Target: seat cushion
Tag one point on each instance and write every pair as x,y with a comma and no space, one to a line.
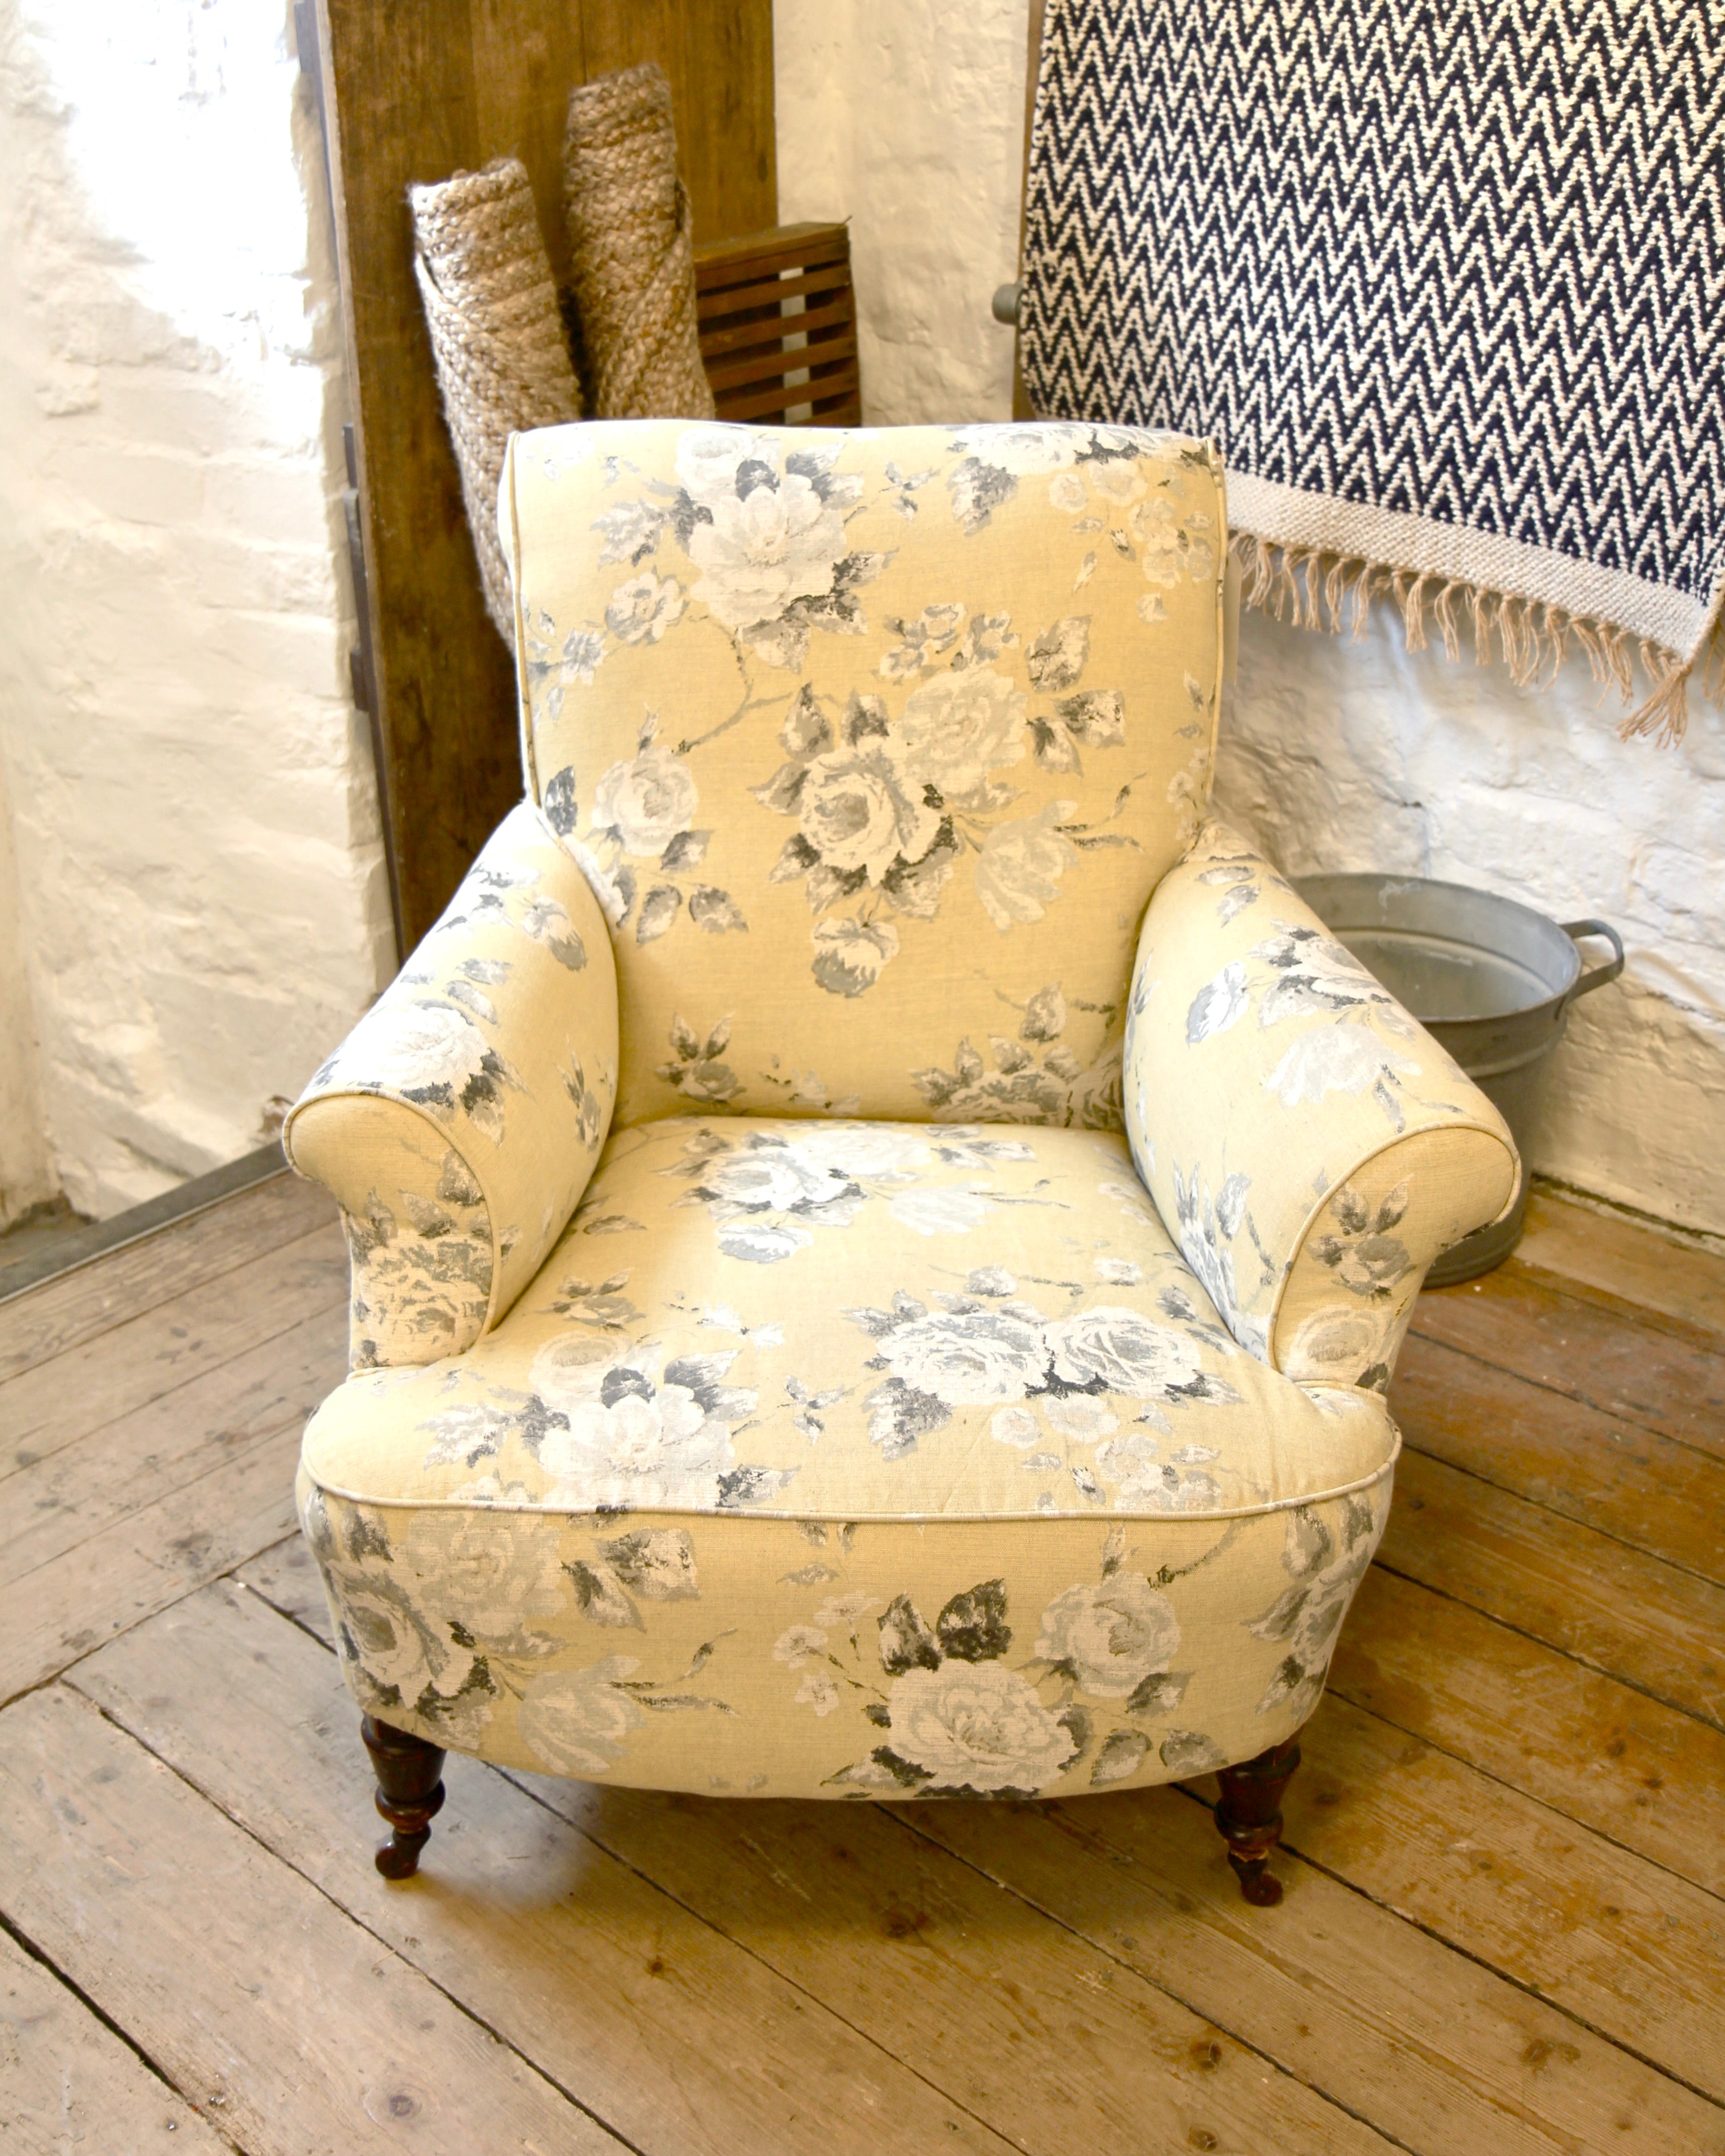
865,735
821,1431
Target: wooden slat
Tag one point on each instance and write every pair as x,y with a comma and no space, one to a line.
414,94
1612,1607
51,1510
730,261
291,2026
676,2037
1520,1321
149,1358
1605,1251
785,360
748,335
67,2082
1662,1497
763,404
1616,1941
743,326
1630,1767
1445,2056
81,1306
758,299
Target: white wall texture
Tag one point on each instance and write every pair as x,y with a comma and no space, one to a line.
198,873
906,117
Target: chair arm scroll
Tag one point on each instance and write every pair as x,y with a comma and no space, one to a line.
460,1121
1310,1146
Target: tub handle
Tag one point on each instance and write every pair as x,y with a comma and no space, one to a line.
1600,974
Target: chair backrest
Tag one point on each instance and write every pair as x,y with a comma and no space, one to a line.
874,745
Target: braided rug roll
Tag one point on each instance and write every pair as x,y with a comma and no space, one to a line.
502,360
632,239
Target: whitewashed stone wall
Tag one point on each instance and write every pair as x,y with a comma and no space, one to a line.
198,872
907,116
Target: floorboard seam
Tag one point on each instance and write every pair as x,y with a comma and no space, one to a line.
1615,1412
1199,2013
1539,1504
1492,1968
25,1945
9,1584
359,1923
1692,1331
1552,1646
196,1587
658,1887
253,1341
1529,1796
146,1310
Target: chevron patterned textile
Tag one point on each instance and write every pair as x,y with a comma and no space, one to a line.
1446,283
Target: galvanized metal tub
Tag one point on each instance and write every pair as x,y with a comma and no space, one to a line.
1491,980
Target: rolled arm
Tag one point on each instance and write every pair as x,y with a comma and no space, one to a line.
1311,1147
459,1123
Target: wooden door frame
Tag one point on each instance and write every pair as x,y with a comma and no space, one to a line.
412,90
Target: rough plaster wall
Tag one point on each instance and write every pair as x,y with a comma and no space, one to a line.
202,902
907,117
1349,755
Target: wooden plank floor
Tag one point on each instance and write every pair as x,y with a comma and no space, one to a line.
1504,1930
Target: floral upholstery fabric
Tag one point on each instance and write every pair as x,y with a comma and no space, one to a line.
853,1320
495,1046
907,1458
1313,1148
871,744
965,1453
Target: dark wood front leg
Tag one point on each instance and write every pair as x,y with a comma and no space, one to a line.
410,1793
1248,1818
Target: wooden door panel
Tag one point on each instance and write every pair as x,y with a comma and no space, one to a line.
416,92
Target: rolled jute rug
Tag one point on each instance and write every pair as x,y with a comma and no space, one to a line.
632,238
503,363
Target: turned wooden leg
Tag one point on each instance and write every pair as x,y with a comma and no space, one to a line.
1248,1818
410,1793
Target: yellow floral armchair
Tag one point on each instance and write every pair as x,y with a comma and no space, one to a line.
879,1234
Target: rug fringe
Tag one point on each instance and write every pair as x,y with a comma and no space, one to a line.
1315,588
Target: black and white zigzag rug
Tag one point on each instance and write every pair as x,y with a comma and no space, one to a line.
1447,284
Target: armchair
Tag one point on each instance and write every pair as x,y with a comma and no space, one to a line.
827,1323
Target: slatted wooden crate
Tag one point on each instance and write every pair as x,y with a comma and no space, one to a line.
778,325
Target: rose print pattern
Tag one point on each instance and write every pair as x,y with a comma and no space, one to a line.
963,1712
1326,1562
1101,1380
886,806
767,1193
1240,993
454,1212
837,1661
502,1598
893,718
1032,1077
